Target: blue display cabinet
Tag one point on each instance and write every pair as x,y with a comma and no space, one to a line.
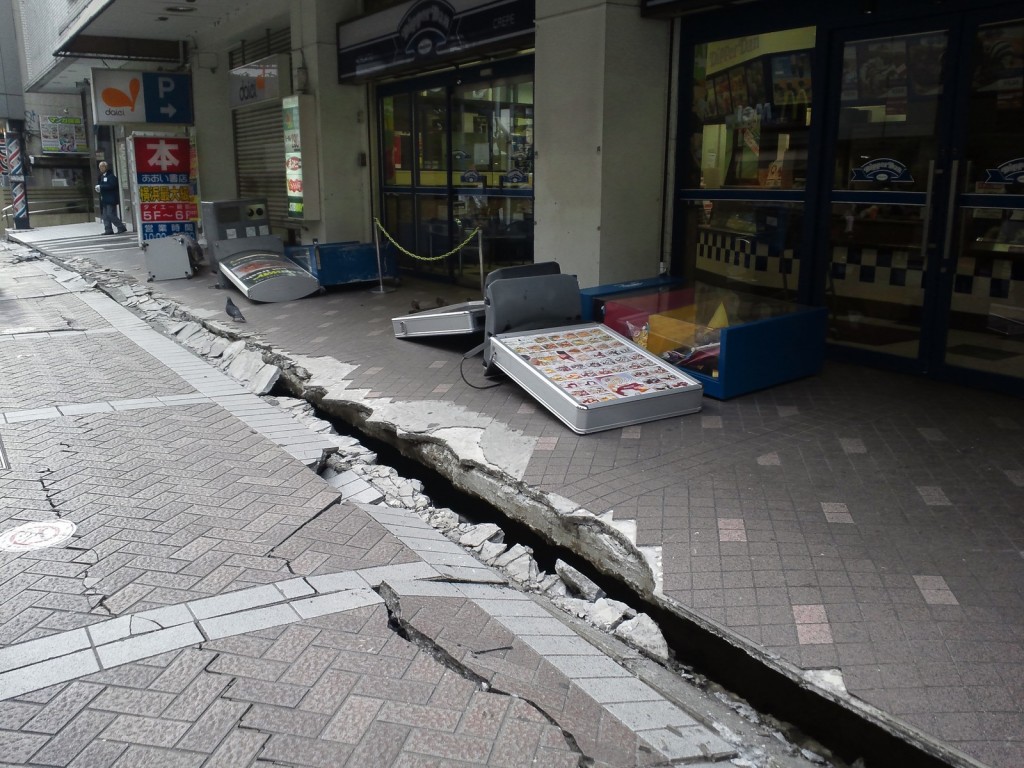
733,343
345,262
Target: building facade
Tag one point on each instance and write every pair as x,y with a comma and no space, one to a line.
859,156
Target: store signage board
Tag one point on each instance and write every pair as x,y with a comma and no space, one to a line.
592,378
302,176
260,81
126,96
267,276
165,190
426,31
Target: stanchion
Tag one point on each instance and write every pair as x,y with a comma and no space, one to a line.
380,268
480,248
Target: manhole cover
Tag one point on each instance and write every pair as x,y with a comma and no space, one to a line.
36,535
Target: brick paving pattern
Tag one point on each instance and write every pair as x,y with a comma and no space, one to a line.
858,521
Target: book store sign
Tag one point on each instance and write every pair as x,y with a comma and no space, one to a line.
427,31
260,81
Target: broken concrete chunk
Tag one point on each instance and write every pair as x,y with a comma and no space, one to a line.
444,519
491,550
264,380
513,554
478,534
523,569
607,614
643,634
577,582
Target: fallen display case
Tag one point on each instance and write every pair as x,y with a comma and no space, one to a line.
467,317
592,378
732,342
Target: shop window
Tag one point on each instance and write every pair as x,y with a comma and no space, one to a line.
457,168
751,112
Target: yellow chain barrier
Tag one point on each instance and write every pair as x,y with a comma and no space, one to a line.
452,252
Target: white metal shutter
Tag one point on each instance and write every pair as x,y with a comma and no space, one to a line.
259,158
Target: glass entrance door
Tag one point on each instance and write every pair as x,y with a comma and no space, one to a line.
926,237
457,170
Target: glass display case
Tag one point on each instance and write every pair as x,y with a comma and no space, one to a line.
732,342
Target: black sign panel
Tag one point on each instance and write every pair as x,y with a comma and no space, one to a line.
429,32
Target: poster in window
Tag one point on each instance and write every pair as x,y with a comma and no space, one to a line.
849,89
926,57
882,70
706,99
791,80
999,64
738,87
755,83
722,95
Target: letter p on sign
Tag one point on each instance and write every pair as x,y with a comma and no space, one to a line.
164,86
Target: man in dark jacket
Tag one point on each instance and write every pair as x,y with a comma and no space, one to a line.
110,197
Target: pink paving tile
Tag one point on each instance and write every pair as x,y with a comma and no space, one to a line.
728,534
813,634
809,614
839,517
939,597
931,582
731,529
440,389
528,408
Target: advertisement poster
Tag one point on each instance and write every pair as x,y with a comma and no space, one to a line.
1000,64
267,276
791,79
62,133
166,196
592,366
882,70
292,155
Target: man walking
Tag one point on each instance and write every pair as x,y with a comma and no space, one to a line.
110,197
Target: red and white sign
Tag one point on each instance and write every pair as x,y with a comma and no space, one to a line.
161,154
166,191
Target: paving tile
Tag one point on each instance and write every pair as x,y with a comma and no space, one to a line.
47,673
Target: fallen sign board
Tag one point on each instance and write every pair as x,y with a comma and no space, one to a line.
467,317
592,379
267,276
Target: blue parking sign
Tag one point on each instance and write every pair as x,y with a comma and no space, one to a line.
168,97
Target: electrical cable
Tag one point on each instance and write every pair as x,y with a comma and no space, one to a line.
473,353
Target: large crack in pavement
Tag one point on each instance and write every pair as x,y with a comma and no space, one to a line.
408,632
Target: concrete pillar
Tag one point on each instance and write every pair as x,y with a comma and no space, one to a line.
342,123
601,100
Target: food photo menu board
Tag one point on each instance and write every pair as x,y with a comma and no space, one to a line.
584,373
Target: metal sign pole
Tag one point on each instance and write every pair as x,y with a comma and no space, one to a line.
380,268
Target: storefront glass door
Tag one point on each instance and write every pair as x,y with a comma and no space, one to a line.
926,236
457,159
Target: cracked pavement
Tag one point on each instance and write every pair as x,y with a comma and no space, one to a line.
219,604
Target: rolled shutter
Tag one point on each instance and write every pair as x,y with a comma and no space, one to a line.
259,158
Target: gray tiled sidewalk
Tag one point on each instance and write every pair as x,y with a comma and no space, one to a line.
219,605
860,525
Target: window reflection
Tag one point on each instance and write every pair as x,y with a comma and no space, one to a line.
751,111
458,159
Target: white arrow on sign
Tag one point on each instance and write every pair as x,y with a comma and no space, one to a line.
168,110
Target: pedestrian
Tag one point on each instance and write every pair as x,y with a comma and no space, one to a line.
110,198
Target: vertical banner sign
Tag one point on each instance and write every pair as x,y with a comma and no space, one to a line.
292,155
167,203
301,158
16,174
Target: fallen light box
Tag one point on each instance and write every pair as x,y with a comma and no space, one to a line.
467,317
592,378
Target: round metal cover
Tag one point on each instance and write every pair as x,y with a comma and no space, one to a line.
36,535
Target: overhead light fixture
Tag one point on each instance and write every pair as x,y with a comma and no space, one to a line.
178,9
